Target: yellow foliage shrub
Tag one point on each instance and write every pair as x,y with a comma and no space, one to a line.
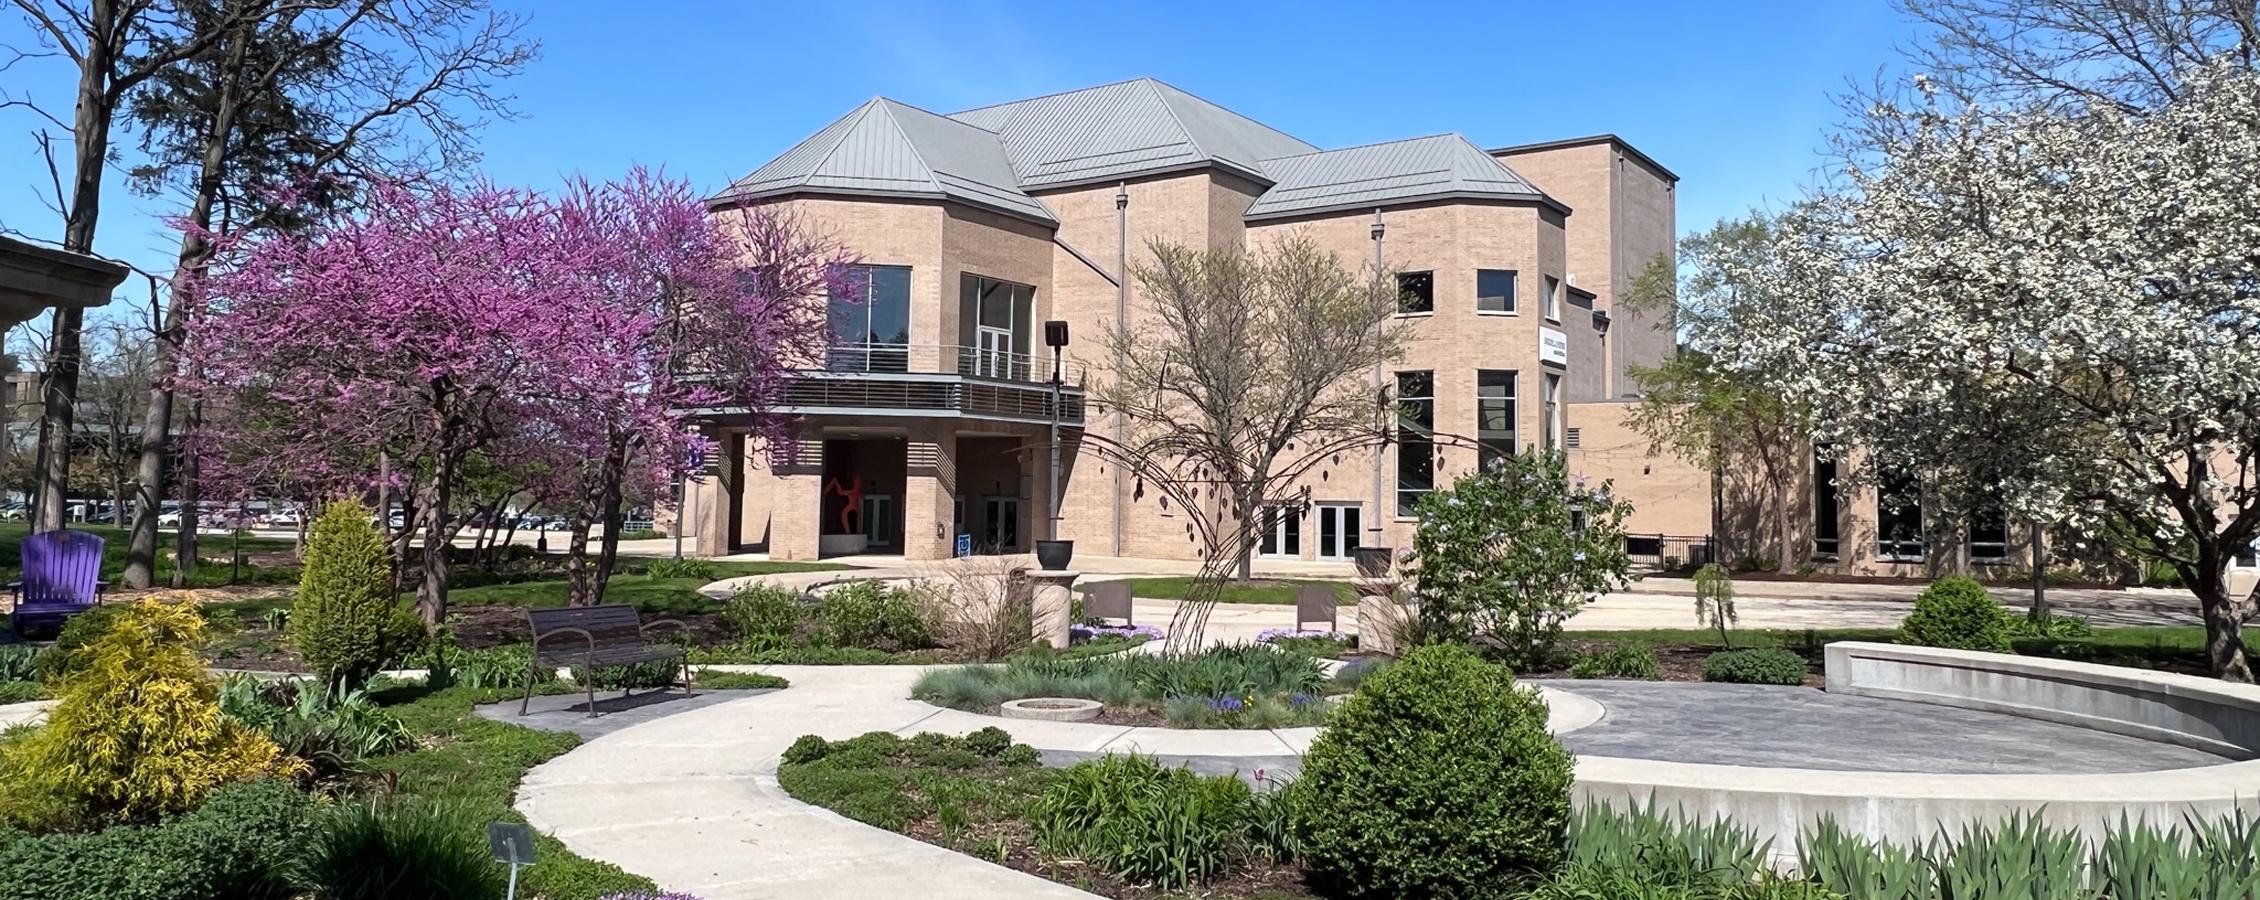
138,733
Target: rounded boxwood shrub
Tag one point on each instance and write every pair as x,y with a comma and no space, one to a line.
1437,779
1956,613
239,845
1768,666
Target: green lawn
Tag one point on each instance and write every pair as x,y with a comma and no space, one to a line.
12,536
1277,592
676,596
477,762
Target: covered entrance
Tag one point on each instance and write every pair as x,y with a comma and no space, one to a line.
996,493
863,485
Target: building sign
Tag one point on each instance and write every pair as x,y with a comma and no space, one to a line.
1553,346
964,546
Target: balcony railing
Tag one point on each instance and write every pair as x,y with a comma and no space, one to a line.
948,359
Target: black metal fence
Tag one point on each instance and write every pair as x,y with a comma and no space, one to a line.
1671,552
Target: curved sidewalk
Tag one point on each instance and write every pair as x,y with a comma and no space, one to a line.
692,801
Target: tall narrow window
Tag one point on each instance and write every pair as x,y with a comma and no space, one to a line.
1824,502
1495,290
1494,416
1899,518
994,319
1416,292
1989,532
870,321
1282,531
1416,438
1551,304
1550,411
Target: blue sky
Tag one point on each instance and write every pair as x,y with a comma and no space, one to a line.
1733,95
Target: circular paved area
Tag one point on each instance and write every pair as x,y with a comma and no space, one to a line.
1801,728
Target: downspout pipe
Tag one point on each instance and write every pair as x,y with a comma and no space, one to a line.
1122,336
1373,519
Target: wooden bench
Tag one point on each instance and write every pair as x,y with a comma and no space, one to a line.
1317,603
595,637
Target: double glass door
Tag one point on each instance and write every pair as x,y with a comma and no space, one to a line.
1000,523
1338,529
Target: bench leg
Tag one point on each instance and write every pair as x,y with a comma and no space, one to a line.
687,692
529,699
591,685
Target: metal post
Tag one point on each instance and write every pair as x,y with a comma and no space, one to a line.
1373,522
1051,531
1121,335
682,491
512,894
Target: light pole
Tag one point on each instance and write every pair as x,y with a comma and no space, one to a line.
1055,337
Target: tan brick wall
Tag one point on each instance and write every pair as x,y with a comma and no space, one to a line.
1622,216
1669,494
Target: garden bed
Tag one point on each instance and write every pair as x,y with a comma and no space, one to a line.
1231,687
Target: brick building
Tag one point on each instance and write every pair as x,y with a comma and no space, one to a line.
928,418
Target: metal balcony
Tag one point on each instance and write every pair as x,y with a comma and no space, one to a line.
929,381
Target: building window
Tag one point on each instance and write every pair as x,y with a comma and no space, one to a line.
1416,293
870,322
1495,290
1552,302
993,322
2249,558
1550,409
1494,416
1899,518
1282,530
1825,513
1416,438
1989,533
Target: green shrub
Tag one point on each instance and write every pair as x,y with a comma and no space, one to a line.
1272,677
764,613
333,731
2050,625
21,691
76,633
497,667
683,568
19,662
714,680
1956,613
656,673
363,851
239,845
989,741
1145,821
871,615
807,748
1665,847
882,780
1437,778
346,622
1620,661
1771,665
138,733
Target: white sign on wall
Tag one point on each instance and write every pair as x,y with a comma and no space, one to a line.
1553,346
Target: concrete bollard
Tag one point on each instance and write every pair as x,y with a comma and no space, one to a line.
1052,599
1380,617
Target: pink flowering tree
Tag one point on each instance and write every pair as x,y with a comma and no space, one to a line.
558,337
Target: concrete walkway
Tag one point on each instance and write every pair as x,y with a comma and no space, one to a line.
691,800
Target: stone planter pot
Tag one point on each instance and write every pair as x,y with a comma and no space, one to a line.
1054,555
1373,562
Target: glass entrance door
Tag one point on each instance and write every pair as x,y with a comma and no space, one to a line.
1338,529
1000,524
1282,531
879,525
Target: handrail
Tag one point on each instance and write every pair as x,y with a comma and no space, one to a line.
947,359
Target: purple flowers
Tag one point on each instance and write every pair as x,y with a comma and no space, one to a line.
1079,632
1226,704
1270,635
1298,700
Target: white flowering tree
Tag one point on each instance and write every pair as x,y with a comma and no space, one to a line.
2058,309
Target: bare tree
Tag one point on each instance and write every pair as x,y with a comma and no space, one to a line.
119,365
1246,377
2132,54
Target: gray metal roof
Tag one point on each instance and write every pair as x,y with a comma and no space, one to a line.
1123,129
1440,166
886,148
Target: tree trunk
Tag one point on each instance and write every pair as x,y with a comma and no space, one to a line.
580,580
90,141
432,496
1785,527
191,511
609,501
2224,640
2039,571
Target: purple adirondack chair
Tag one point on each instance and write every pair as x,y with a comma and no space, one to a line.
62,571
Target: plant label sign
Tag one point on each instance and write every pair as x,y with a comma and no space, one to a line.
511,843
